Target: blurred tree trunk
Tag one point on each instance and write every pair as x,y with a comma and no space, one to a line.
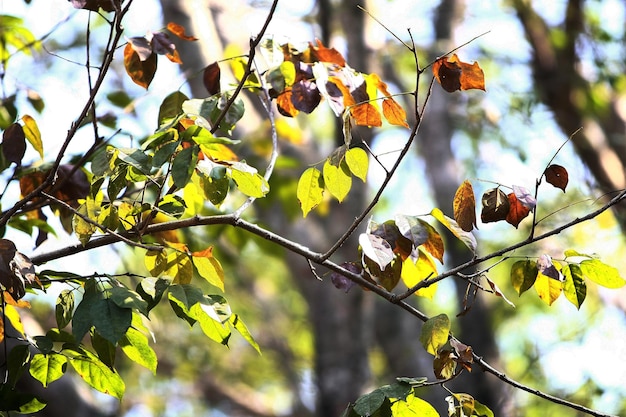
560,85
444,176
339,320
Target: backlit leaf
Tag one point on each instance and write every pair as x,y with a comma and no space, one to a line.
324,54
64,308
95,373
444,364
365,114
32,133
358,162
337,179
248,180
179,31
135,345
371,404
464,206
435,332
310,190
140,71
517,210
394,113
377,249
305,96
547,288
209,267
210,323
602,274
241,327
523,275
415,271
47,368
466,237
413,407
184,164
524,197
574,287
454,74
557,176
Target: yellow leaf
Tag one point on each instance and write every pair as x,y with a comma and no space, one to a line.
414,272
358,162
31,131
209,267
310,190
548,289
337,180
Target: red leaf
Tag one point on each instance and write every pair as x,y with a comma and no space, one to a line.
517,210
211,78
557,176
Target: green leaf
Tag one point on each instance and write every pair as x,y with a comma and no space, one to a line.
467,238
185,295
574,287
248,180
128,299
164,153
523,275
94,372
241,327
215,185
136,159
183,165
369,404
337,180
110,320
172,205
105,350
358,162
83,229
152,289
17,363
481,410
435,332
413,407
310,190
602,274
171,107
135,345
64,308
210,323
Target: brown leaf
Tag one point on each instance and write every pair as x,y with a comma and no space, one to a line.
464,354
495,206
162,45
211,78
517,210
8,281
179,31
557,176
14,143
464,207
141,72
94,5
324,54
305,96
444,364
454,74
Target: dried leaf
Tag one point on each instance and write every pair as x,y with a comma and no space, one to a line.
324,54
524,197
285,105
305,96
495,206
517,210
211,78
454,74
497,291
547,268
557,176
14,143
394,113
179,31
464,206
141,72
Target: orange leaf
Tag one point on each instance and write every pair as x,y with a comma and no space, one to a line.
517,211
366,114
179,31
206,253
285,105
394,113
557,176
454,74
348,100
464,207
141,72
174,57
330,55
